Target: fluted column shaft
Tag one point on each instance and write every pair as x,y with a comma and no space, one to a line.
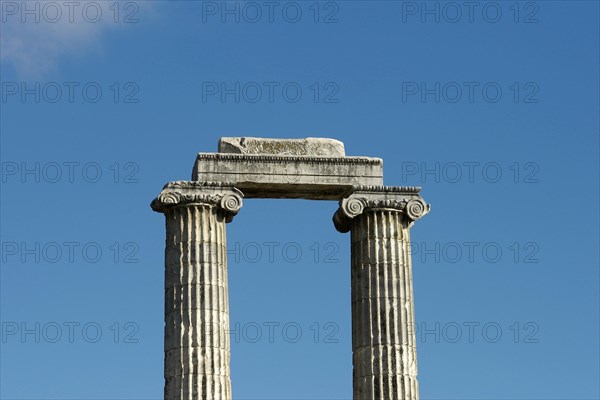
196,304
383,338
197,348
384,353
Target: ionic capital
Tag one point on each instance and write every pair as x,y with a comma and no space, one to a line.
405,199
216,194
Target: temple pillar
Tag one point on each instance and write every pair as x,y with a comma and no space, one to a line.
383,321
197,346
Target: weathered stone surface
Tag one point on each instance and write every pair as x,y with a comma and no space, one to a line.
266,176
175,194
384,354
383,335
402,198
320,147
196,291
197,343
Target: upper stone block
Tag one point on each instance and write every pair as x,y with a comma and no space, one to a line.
315,147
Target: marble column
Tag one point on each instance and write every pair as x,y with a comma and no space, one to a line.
197,348
383,336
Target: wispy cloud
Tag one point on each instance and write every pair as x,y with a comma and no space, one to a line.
36,36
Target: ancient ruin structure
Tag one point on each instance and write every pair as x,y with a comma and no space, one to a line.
197,348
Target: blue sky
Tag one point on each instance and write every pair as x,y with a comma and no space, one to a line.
493,110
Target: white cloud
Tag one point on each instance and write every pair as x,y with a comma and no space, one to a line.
37,35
